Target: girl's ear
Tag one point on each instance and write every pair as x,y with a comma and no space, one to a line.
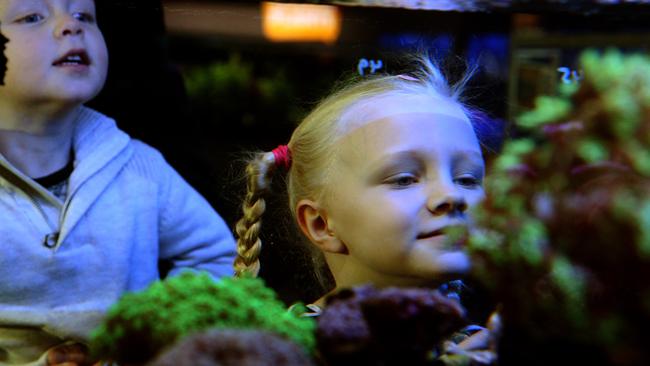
313,223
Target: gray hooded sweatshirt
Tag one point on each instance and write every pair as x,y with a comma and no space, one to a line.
126,209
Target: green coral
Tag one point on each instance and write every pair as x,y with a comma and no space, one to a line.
530,241
512,154
591,150
547,109
219,79
640,157
234,92
569,279
563,236
643,217
141,324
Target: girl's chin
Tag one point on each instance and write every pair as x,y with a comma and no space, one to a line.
434,269
453,262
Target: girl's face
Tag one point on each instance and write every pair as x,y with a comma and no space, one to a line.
397,183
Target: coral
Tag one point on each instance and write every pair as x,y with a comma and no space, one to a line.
141,324
218,347
369,326
563,238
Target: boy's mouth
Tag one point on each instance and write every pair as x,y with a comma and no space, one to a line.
73,58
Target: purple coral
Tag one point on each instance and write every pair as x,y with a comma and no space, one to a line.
373,326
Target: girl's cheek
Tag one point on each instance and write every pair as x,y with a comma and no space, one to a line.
476,198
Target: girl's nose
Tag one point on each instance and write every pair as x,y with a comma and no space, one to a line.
445,199
449,205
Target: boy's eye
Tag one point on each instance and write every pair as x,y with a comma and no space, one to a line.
402,180
84,17
31,18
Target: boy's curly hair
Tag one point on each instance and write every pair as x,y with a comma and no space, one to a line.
3,58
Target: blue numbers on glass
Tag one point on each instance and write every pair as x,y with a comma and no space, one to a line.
373,65
569,76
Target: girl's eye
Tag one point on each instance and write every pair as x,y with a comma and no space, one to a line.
469,181
31,18
84,17
402,180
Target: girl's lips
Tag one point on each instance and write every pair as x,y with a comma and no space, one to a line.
442,237
431,234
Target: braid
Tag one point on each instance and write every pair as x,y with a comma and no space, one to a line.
259,172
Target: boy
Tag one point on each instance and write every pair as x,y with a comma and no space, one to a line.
86,212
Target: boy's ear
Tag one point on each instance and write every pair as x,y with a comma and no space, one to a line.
313,222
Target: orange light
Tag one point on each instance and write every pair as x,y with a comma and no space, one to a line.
282,22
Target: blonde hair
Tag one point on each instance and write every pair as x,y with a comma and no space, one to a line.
313,142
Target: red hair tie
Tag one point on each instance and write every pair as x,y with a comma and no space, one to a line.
282,156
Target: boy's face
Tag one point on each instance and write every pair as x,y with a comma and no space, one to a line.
411,174
56,52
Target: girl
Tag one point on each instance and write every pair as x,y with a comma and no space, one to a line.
378,173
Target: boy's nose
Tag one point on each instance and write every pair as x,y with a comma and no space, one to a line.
76,30
69,27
